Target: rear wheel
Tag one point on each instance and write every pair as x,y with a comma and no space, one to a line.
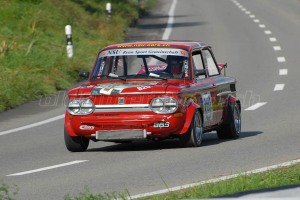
232,128
76,144
193,137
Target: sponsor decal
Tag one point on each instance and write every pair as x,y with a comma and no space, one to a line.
143,87
152,68
86,127
113,52
186,68
183,53
121,100
145,51
106,91
162,124
101,68
207,106
112,88
143,45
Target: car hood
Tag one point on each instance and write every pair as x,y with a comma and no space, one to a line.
126,88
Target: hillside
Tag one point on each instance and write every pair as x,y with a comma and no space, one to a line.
33,59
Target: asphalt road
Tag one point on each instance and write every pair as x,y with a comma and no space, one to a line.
260,42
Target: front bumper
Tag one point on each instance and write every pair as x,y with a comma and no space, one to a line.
125,126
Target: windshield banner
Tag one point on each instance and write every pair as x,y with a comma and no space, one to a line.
144,51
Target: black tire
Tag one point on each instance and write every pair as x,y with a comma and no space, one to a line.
231,129
193,137
76,144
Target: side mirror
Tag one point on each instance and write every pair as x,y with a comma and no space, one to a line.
200,72
84,75
222,67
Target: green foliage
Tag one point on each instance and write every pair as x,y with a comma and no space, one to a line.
6,191
285,176
33,60
275,178
87,195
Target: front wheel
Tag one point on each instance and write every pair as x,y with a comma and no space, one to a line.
193,137
232,128
76,144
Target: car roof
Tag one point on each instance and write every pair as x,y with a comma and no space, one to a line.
182,44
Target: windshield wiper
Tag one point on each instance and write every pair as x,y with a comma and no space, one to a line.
156,76
111,75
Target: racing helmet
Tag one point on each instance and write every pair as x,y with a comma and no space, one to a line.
175,64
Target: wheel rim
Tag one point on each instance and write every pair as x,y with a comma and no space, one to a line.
237,119
198,128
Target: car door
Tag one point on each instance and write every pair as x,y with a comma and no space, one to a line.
206,94
213,76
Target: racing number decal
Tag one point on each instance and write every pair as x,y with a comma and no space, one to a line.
207,106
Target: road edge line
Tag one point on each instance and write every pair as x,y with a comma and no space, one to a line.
32,125
48,168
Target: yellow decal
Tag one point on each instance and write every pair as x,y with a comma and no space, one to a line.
144,45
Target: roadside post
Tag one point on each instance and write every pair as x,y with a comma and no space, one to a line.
108,10
68,30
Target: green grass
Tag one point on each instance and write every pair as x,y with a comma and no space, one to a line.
284,176
33,60
7,192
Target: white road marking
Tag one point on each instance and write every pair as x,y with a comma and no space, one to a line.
268,32
281,59
169,27
272,39
256,20
222,178
256,106
277,48
32,125
262,26
283,72
252,16
248,12
48,168
279,87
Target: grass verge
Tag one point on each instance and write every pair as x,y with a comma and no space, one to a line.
33,60
284,176
7,192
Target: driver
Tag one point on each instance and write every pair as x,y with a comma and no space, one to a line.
175,64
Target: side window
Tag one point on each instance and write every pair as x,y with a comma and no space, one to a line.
198,61
210,64
198,64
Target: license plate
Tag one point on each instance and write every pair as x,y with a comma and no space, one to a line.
161,124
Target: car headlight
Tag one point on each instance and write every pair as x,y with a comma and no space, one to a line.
80,106
164,105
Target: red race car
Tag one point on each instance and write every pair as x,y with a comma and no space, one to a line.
153,90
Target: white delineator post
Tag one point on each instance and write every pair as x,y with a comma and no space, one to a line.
68,30
108,10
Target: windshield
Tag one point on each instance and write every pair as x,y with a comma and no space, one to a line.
164,63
